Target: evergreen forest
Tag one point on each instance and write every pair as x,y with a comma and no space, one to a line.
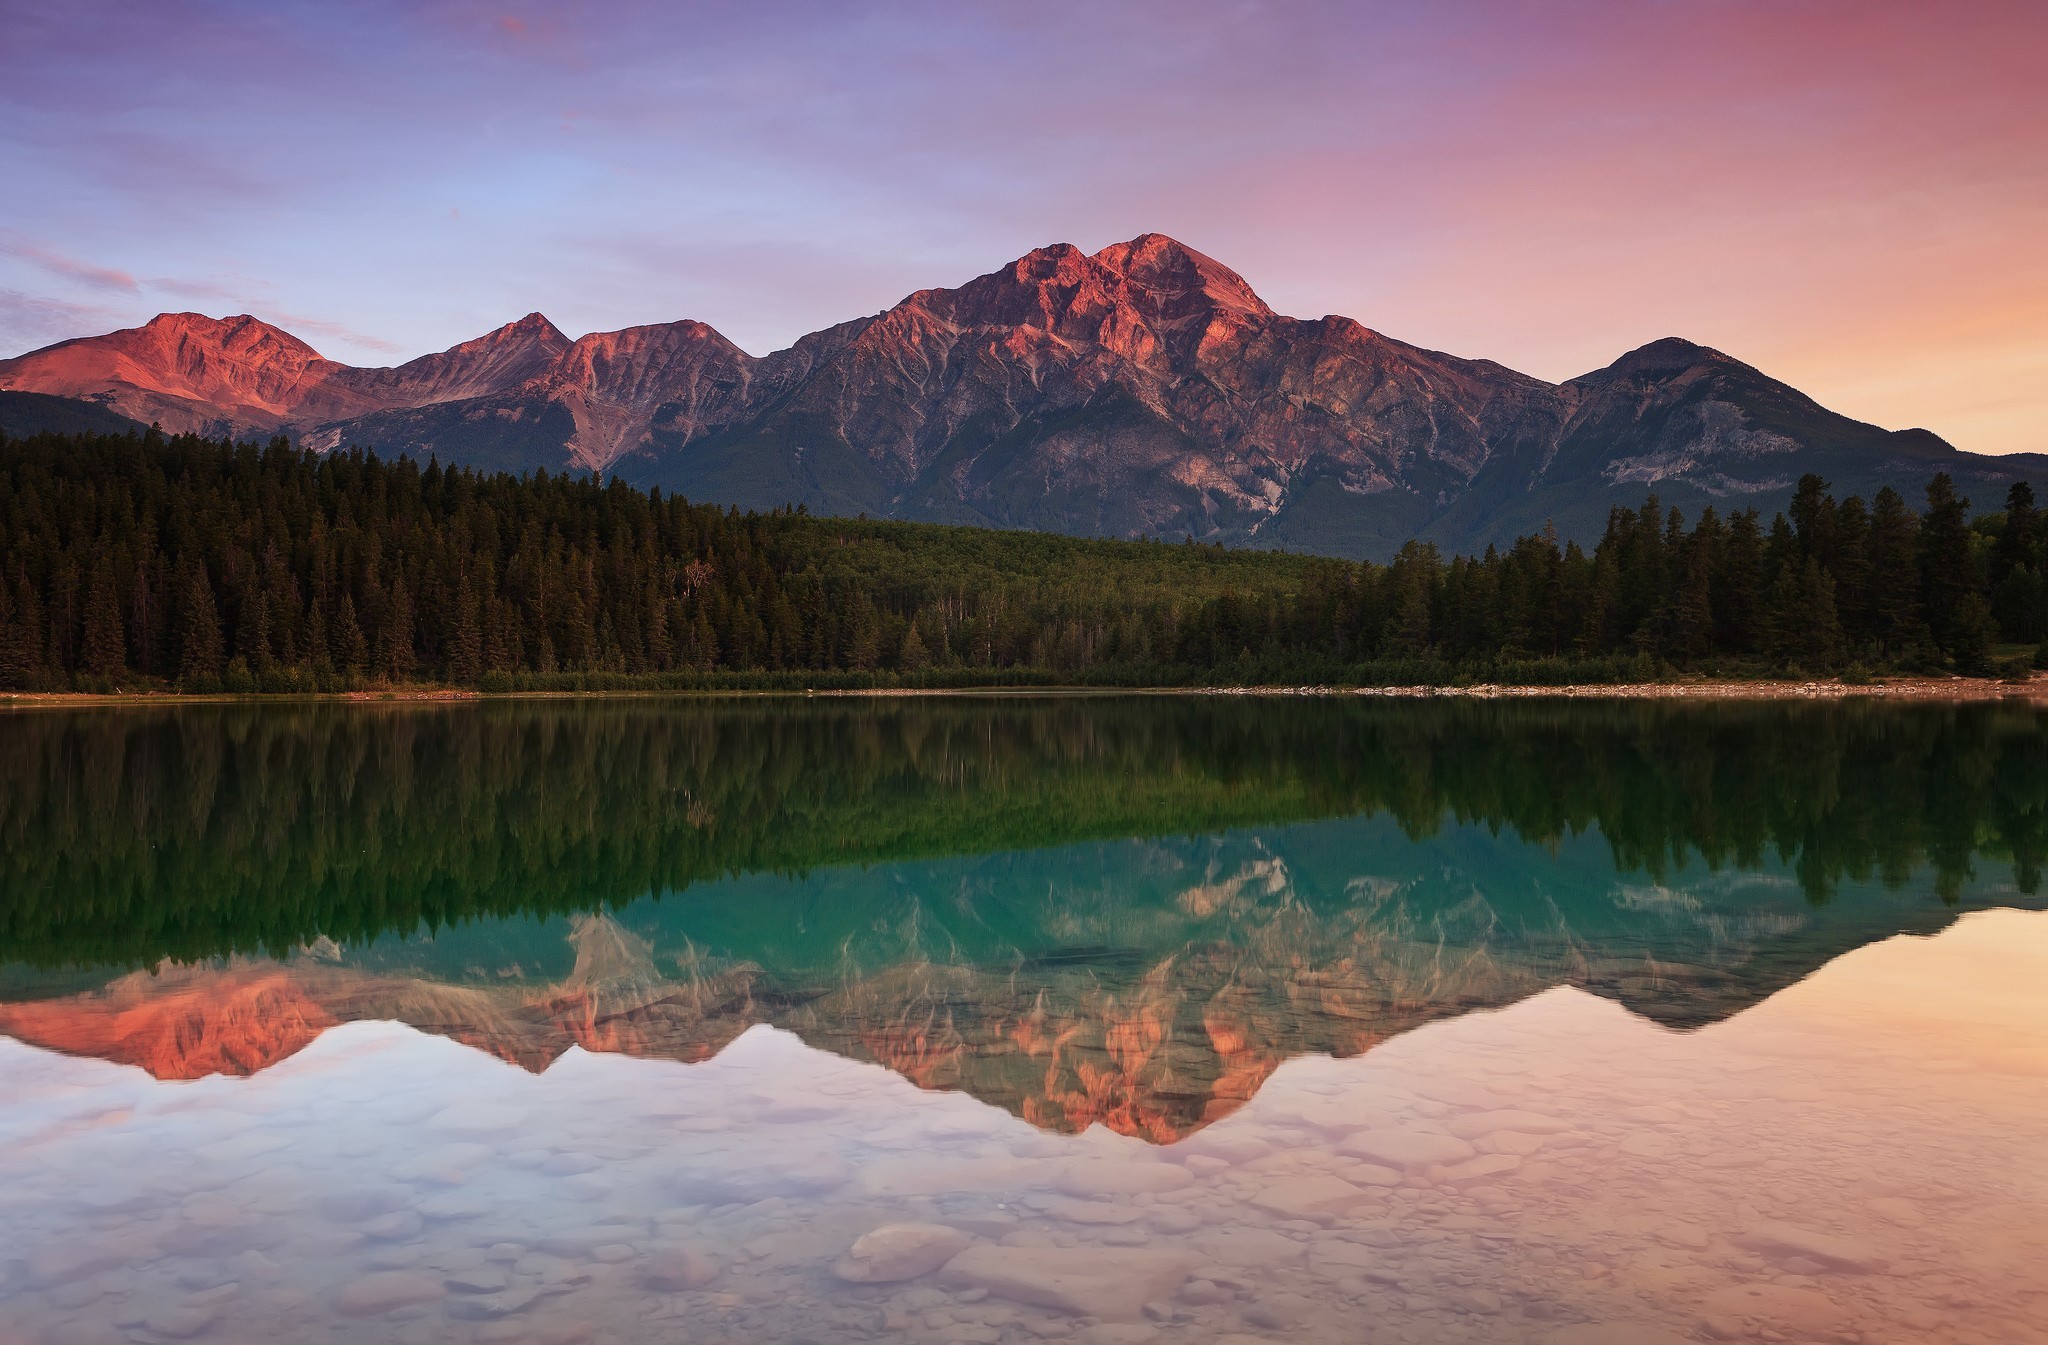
141,562
130,835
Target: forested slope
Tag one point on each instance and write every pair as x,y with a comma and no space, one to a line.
135,561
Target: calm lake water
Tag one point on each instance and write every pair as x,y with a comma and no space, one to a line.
1106,1020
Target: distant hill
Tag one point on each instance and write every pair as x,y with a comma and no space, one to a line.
1142,390
25,413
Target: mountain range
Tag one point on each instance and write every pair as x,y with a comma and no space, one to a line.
1142,390
1157,992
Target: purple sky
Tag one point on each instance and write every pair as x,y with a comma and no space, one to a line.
1852,195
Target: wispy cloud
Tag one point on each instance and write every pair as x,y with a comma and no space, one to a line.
1542,183
102,277
299,324
31,321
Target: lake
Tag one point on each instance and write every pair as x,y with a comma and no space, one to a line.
1104,1019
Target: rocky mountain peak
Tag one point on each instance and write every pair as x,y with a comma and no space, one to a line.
1662,359
611,361
240,334
533,329
1174,272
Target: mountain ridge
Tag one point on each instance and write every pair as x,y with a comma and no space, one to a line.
1143,389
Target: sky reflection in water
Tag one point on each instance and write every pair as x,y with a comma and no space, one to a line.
1310,1068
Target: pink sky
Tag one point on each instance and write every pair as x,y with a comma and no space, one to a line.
1852,196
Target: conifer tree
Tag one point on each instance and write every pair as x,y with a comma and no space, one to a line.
465,637
395,657
199,639
1948,569
105,652
913,656
347,646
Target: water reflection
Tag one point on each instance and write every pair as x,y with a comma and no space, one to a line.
1128,1020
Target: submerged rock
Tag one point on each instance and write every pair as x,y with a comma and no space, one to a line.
1407,1148
385,1290
896,1252
1113,1285
1312,1197
1801,1313
1614,1333
1095,1179
674,1269
1782,1241
1074,1210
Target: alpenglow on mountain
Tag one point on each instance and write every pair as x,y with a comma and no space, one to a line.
1143,390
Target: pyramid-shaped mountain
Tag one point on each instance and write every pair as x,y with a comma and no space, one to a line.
1144,389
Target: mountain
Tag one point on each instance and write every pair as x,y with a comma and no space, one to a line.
191,373
1144,389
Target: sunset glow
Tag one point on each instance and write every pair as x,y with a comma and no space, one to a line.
1850,196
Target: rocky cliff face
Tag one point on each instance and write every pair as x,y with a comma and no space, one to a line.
241,376
1140,390
186,371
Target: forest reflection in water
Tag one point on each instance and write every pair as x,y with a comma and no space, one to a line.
1185,989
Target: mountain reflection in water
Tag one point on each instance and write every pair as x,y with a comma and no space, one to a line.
1122,911
1135,1021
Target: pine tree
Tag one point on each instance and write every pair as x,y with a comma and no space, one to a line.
199,639
145,636
1689,626
1851,570
1738,587
20,635
1814,519
252,635
1948,569
913,656
465,637
1895,614
2018,594
105,652
395,655
1971,635
347,645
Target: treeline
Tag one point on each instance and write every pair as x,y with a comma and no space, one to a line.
127,836
140,561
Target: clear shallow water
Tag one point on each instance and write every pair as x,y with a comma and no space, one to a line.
1297,1023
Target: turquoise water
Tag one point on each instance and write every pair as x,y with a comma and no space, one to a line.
1105,1019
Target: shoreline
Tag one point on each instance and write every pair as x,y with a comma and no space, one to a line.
1949,688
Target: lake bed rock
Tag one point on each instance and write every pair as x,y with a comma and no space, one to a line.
896,1252
1829,1251
1106,1178
1239,1249
1788,1309
397,1226
1614,1333
386,1290
482,1280
184,1321
1314,1198
491,1307
1474,1124
1113,1285
673,1269
1407,1148
1073,1210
